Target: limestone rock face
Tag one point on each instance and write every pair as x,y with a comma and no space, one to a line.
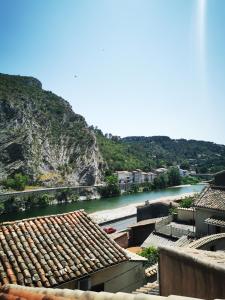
41,136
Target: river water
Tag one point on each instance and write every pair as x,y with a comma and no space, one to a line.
101,204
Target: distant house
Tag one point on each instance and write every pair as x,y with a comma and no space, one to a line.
151,176
124,177
161,171
138,176
67,251
210,207
183,173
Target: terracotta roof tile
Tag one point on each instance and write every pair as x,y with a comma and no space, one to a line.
50,250
212,197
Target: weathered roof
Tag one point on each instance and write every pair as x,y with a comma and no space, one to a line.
151,270
47,251
206,239
215,222
28,293
212,197
157,240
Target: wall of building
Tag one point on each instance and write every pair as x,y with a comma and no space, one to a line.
150,211
182,276
202,214
121,239
138,234
185,215
124,277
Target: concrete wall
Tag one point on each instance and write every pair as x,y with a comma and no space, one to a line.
124,277
185,215
201,227
150,211
185,277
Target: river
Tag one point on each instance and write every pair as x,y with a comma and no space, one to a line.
91,206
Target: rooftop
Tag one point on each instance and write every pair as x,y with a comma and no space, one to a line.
27,293
206,239
158,240
212,198
146,222
48,251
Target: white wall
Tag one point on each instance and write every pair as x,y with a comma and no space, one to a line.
124,277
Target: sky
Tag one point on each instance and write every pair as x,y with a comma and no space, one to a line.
130,67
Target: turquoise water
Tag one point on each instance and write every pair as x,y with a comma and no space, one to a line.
102,204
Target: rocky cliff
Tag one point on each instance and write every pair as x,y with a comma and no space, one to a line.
41,136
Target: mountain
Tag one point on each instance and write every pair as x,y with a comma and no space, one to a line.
147,153
42,137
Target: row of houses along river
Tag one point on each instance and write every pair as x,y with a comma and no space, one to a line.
92,206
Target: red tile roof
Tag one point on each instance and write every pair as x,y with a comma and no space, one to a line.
48,251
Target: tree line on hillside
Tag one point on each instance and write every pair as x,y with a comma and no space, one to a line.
149,153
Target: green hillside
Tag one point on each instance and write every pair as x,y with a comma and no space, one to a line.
148,153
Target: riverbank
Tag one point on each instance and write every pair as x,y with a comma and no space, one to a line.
103,204
131,209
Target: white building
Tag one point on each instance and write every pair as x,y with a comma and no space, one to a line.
124,176
137,176
151,176
183,173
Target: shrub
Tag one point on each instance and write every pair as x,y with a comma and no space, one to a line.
186,202
18,182
151,253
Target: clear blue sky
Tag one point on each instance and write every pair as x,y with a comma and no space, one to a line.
144,67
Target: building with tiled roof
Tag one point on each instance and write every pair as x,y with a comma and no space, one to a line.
68,250
210,208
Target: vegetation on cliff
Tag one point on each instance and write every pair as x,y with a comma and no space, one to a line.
43,138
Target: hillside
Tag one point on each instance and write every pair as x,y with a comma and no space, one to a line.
42,137
148,153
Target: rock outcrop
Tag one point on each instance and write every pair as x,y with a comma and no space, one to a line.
41,136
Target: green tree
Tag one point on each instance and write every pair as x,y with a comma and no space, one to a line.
112,188
174,177
18,182
161,181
